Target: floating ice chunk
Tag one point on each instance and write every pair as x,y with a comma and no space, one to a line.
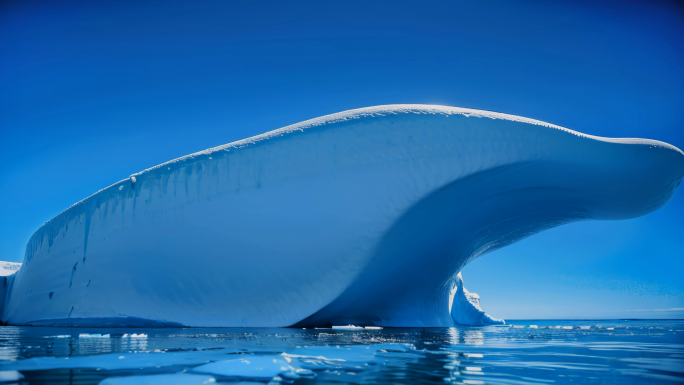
473,355
166,379
110,361
86,335
348,327
534,327
255,367
134,335
10,376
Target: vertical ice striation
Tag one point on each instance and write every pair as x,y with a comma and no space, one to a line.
7,271
365,217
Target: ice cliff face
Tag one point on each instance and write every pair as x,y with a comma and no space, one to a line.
364,217
6,269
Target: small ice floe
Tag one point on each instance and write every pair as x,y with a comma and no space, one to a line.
297,373
10,376
254,367
167,379
134,335
584,327
567,327
473,355
373,327
343,357
534,327
86,335
347,327
610,328
518,326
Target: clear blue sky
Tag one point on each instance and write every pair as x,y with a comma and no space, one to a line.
91,92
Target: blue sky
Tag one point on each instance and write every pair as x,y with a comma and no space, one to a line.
91,92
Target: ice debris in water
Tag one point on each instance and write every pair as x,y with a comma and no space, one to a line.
455,354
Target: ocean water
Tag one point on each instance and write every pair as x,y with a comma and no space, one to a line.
525,352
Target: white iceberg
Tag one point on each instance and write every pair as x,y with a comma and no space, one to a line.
465,307
363,218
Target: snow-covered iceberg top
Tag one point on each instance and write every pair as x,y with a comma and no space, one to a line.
8,268
363,218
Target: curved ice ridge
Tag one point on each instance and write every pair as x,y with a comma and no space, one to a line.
365,217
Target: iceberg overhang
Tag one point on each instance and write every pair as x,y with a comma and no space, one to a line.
365,217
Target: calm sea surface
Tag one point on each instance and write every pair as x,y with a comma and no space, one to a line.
526,352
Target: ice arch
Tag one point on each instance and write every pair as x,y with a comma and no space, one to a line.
362,217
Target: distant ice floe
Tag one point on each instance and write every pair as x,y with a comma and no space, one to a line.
365,217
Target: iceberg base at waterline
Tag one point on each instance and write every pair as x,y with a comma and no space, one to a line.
364,217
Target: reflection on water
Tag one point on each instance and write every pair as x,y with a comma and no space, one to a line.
526,352
470,336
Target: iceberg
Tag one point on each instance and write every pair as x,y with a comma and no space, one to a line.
465,307
364,217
